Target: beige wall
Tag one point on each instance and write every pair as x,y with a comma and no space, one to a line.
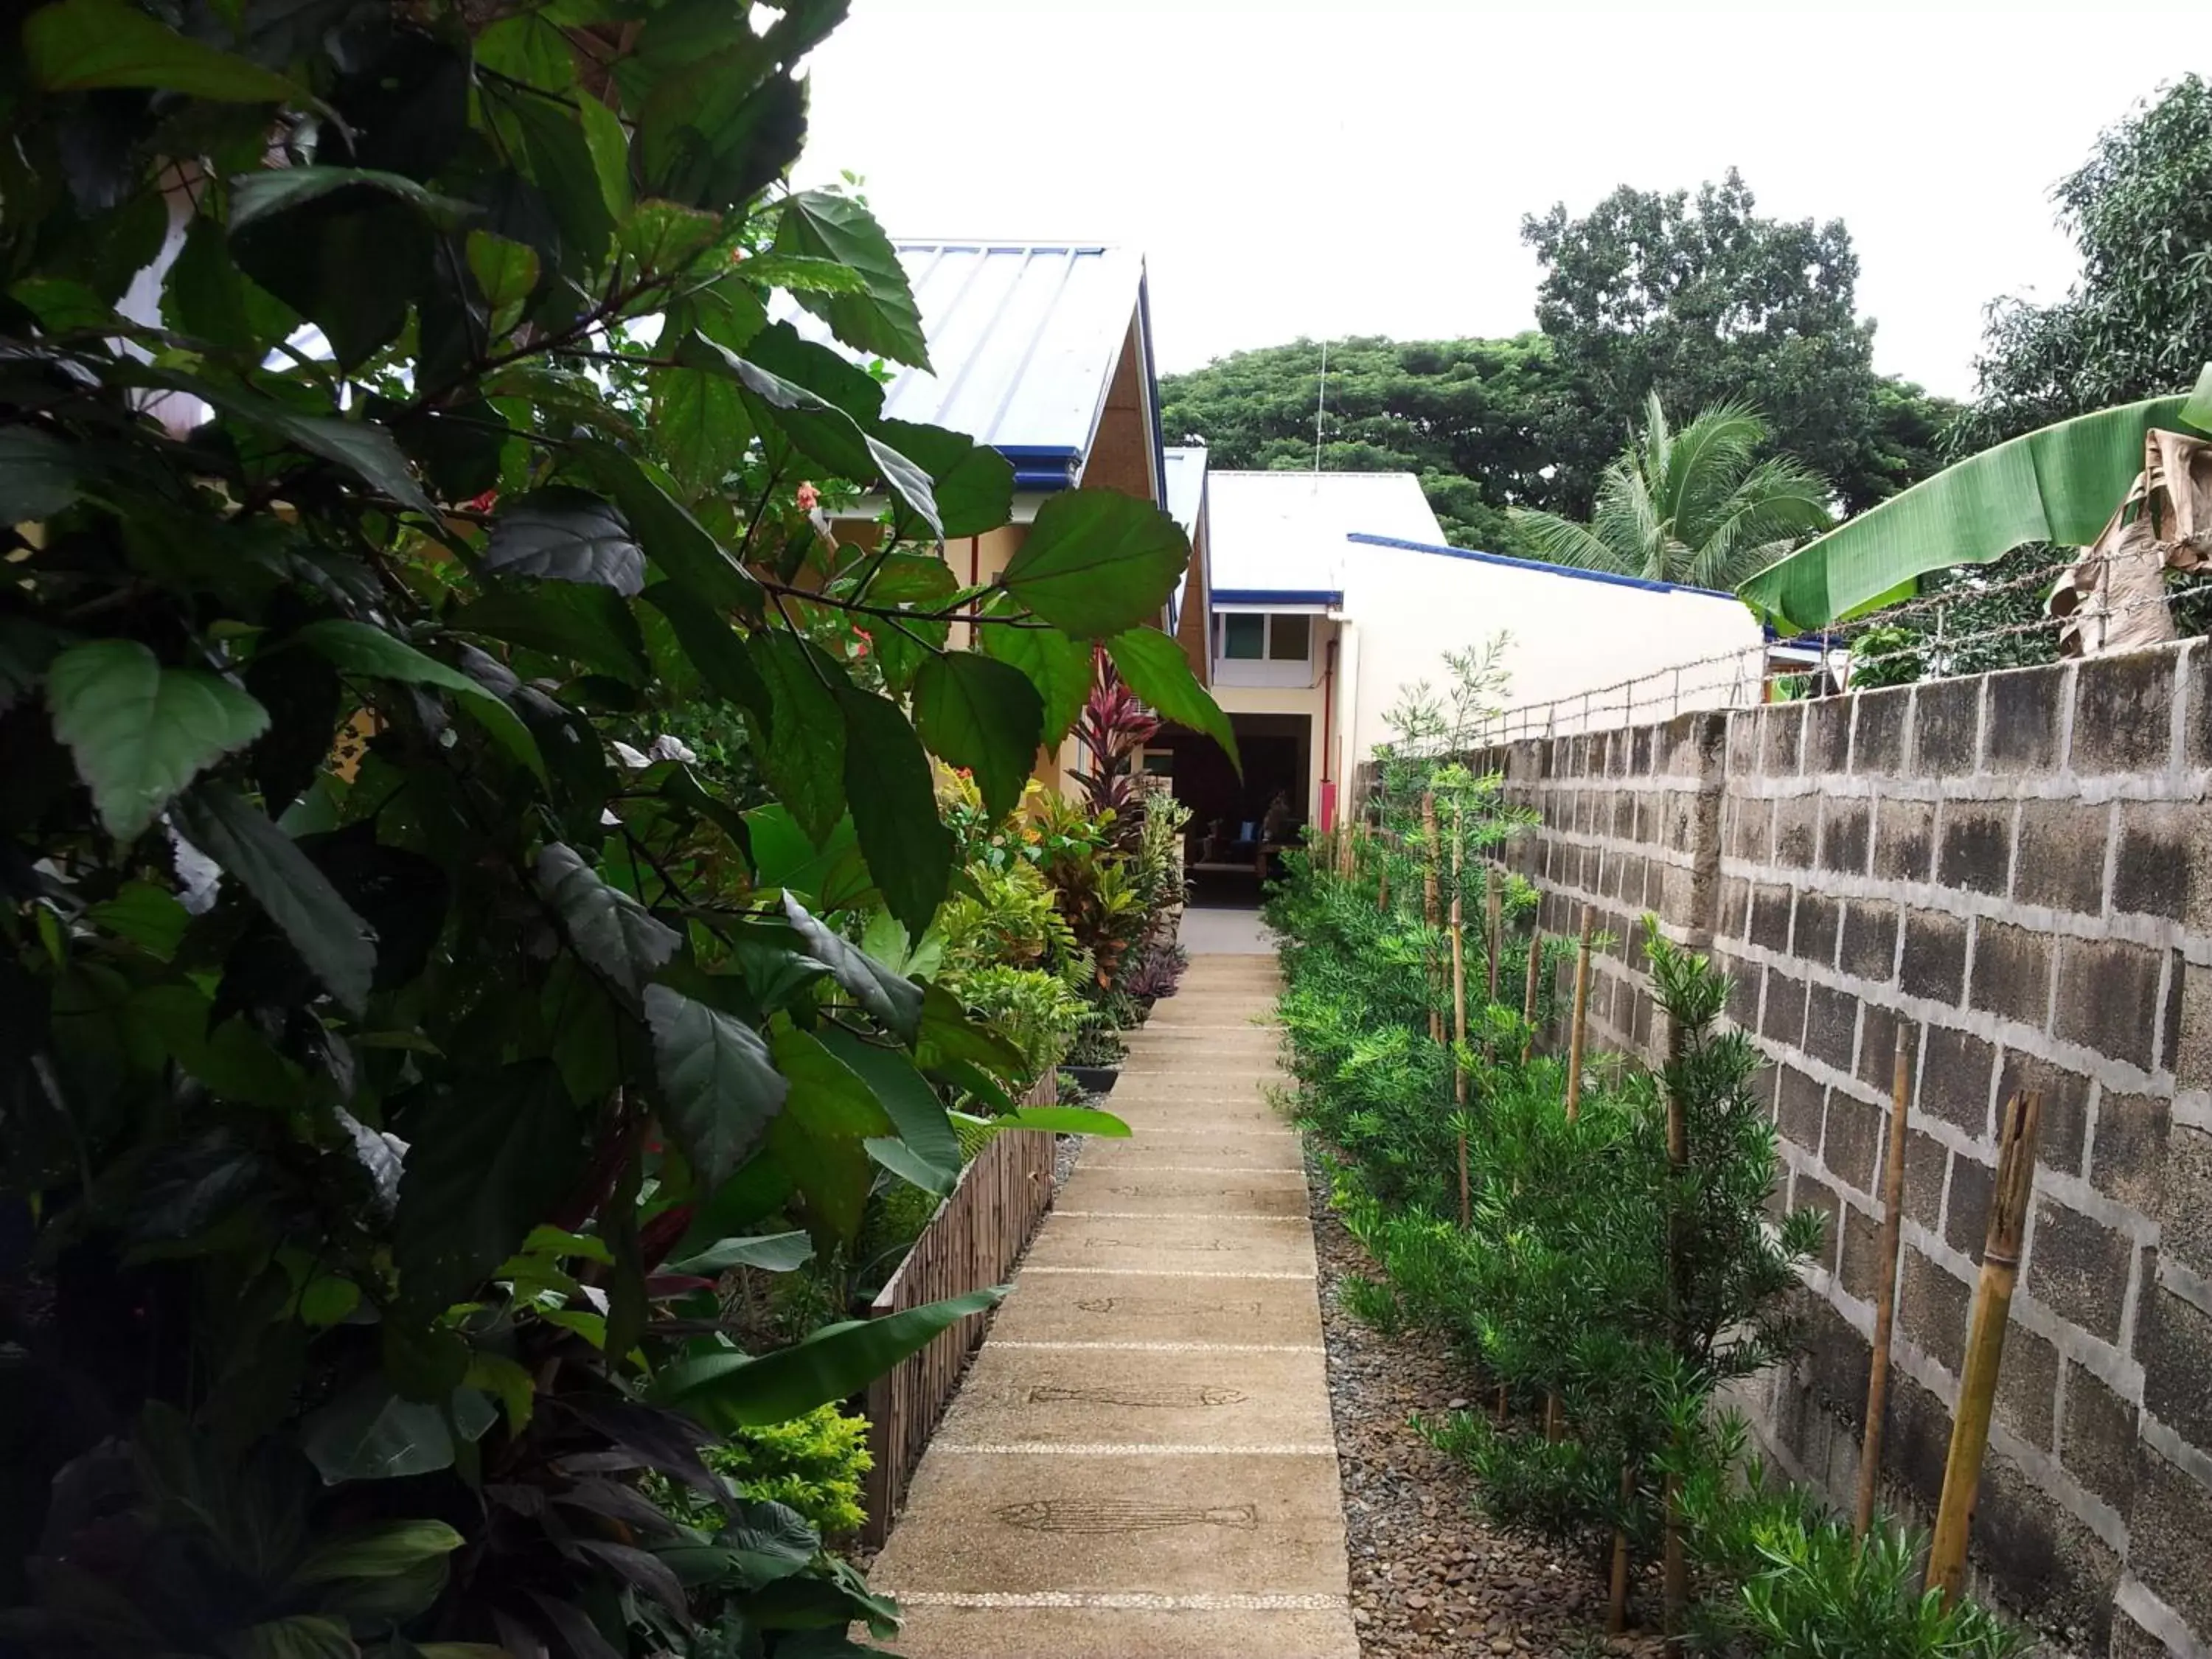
1241,700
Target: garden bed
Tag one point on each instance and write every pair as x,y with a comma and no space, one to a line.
1429,1575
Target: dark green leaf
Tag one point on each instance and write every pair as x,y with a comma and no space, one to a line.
1065,1120
81,46
336,944
299,1636
830,875
729,1391
363,448
1059,668
560,159
26,649
506,271
485,1164
906,1095
39,474
666,236
565,535
919,579
972,484
702,423
831,375
814,426
891,999
1156,669
140,732
884,320
716,649
720,1091
261,194
208,297
946,1034
887,781
980,714
590,627
773,1253
369,1433
672,538
803,749
148,916
611,930
1097,562
831,1097
355,647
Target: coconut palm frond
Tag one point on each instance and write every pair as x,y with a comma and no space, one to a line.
1562,541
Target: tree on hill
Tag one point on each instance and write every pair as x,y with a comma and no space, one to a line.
1468,417
1702,301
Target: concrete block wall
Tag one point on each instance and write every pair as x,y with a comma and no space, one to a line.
2015,871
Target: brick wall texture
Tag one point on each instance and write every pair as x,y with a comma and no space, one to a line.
2016,872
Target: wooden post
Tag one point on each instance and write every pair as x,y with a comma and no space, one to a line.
1528,996
1429,908
1582,1016
1884,1298
1459,1012
1977,1382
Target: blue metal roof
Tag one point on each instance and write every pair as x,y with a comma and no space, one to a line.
1025,339
1540,567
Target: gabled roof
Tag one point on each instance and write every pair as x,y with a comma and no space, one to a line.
1025,339
1545,568
1186,484
1281,538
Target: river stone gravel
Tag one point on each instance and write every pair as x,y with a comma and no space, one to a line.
1430,1576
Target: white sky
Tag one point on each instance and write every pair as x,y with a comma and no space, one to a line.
1330,169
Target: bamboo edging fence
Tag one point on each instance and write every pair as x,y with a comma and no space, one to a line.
969,1244
1884,1304
1986,1337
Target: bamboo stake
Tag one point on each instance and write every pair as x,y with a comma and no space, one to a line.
1575,1035
1674,1571
1985,1336
1496,929
1459,1013
1528,996
1616,1610
1429,908
1885,1300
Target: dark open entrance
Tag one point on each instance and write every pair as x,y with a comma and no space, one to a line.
1232,828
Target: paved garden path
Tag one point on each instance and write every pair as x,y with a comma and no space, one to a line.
1140,1464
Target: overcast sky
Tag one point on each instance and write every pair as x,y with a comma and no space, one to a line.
1330,169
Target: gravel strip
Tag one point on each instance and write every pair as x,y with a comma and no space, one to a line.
1429,1575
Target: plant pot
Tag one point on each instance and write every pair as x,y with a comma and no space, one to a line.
1093,1079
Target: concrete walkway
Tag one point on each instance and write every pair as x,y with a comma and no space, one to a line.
1141,1463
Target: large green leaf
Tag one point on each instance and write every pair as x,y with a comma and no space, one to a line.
382,1549
39,474
612,931
833,1098
82,45
272,191
972,484
565,535
336,944
829,874
720,1091
802,749
1059,668
772,1253
887,782
672,538
355,647
884,320
890,998
2059,484
716,650
484,1165
370,1433
1065,1120
589,626
981,714
701,422
140,732
1156,670
923,1128
1097,562
729,1391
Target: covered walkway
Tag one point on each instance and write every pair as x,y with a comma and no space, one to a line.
1141,1460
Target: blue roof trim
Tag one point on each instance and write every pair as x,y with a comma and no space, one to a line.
1042,466
1278,595
1610,579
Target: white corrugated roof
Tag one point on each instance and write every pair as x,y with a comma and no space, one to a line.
1023,338
1285,531
1186,484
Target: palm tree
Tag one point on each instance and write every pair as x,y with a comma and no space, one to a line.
1696,506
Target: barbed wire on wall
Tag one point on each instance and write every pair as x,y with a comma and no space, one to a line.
1830,661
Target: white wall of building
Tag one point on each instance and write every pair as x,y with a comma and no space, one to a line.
1403,610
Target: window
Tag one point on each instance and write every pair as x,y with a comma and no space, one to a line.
1265,636
1290,638
1244,636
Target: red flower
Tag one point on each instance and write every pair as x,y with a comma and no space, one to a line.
809,498
483,503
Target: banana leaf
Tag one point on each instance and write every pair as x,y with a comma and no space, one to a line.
2057,485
